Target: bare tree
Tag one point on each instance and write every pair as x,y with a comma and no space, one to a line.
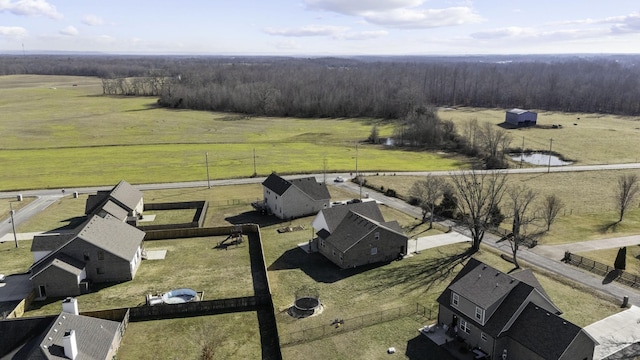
479,193
428,192
494,142
551,206
520,201
626,192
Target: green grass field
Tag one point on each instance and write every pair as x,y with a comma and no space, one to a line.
72,135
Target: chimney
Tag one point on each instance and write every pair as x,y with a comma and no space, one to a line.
70,344
70,305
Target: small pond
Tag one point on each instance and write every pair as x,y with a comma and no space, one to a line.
540,159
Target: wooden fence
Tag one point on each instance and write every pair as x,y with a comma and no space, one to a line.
602,269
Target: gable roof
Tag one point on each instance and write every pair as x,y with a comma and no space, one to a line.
526,276
334,215
115,210
484,285
125,194
60,261
352,229
94,338
542,332
50,242
113,236
308,185
517,111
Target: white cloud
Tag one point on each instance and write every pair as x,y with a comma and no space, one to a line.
350,7
501,33
30,8
399,13
12,31
287,45
365,35
92,20
423,18
312,30
69,31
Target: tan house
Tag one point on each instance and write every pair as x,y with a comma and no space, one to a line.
289,199
124,202
356,234
101,250
509,317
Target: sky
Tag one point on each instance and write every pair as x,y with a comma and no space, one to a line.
320,27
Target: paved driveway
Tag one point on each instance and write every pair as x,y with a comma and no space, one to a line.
15,287
615,332
428,242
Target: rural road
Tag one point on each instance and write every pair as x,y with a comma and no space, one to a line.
546,257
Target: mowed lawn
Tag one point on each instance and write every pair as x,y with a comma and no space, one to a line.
72,135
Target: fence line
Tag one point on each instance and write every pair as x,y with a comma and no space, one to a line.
345,325
601,269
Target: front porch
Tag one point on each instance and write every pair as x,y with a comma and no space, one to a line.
441,336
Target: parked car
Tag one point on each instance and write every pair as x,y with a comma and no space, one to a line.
338,179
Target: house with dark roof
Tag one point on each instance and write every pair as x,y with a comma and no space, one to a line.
288,199
356,234
509,316
64,336
103,249
123,201
519,117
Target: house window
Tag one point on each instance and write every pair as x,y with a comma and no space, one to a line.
455,299
464,326
86,257
100,271
374,250
483,336
376,235
480,314
100,255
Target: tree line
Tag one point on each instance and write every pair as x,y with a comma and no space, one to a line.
357,87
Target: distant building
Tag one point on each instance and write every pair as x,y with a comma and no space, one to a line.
289,199
521,118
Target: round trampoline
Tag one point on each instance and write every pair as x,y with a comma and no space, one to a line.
179,296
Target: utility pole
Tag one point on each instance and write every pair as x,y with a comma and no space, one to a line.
255,173
206,156
358,174
549,166
324,170
522,152
13,224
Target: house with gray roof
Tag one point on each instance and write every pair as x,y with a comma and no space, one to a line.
289,199
64,336
356,234
103,249
123,202
509,316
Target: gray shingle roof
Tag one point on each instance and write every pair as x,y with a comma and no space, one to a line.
61,261
50,242
334,215
542,332
115,210
484,285
307,185
113,236
94,337
125,194
526,275
352,229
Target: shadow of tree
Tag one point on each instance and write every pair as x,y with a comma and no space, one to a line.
316,266
611,276
610,227
425,276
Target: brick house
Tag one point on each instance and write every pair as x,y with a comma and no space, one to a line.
509,316
101,250
289,199
356,234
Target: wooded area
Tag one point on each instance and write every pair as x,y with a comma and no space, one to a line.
356,87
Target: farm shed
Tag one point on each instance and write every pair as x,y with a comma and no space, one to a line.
519,117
